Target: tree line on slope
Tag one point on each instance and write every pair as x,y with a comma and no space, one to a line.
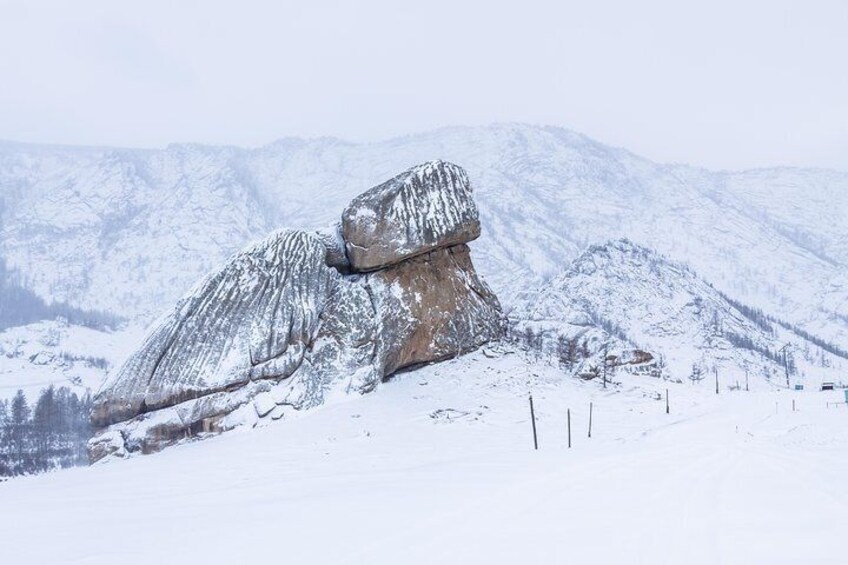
20,306
822,344
745,342
765,322
568,351
49,435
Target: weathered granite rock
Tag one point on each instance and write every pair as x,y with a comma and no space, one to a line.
286,325
107,443
344,355
336,255
427,207
251,320
425,309
433,307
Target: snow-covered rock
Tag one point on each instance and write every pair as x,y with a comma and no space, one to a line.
427,308
279,325
336,256
105,444
425,208
251,320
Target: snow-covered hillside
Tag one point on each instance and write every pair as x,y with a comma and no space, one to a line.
129,230
440,467
636,298
54,352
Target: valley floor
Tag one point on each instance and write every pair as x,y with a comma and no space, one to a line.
438,466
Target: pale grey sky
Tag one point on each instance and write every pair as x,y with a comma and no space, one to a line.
724,84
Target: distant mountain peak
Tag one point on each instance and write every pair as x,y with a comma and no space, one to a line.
636,297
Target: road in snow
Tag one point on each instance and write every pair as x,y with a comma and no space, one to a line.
388,479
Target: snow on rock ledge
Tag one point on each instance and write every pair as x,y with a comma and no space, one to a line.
283,324
427,207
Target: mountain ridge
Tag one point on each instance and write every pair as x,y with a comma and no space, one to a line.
135,227
305,139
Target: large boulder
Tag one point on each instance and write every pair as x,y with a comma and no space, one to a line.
285,325
427,207
251,320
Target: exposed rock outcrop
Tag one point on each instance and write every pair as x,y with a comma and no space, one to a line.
251,320
294,319
432,307
425,208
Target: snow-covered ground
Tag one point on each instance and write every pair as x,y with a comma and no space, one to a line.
53,352
438,466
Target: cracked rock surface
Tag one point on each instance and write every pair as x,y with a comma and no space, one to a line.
427,207
303,316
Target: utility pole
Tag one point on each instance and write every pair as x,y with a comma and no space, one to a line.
746,380
666,402
569,428
590,419
715,369
606,354
785,363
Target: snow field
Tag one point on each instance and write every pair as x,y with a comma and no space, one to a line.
438,466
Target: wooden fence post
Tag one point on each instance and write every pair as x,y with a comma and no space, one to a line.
533,419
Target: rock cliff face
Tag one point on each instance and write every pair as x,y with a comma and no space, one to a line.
304,315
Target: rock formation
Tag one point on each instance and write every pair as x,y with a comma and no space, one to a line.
427,207
304,315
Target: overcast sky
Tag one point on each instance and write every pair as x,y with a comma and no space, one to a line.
722,84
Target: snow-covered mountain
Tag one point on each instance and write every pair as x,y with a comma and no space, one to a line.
635,298
129,230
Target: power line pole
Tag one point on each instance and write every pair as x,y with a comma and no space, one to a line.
606,354
785,363
715,369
